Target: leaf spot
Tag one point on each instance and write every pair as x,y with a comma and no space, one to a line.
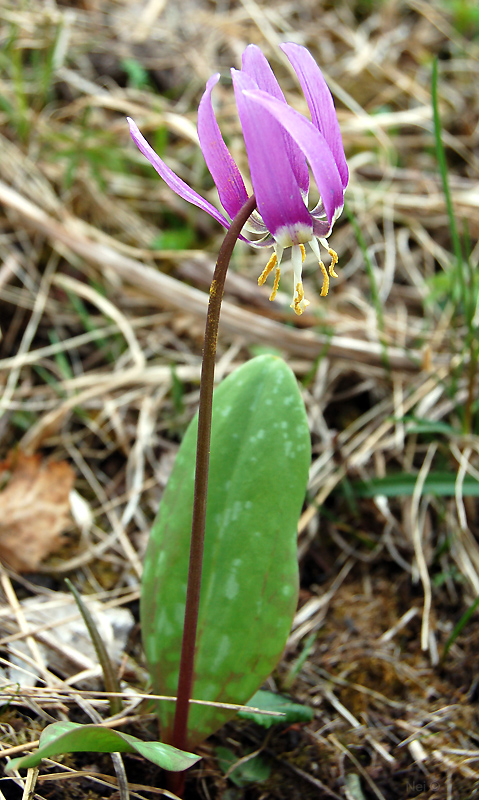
231,586
222,649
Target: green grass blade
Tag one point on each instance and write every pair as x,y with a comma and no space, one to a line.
460,625
110,679
438,483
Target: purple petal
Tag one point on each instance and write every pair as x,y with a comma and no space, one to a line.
314,146
278,195
174,182
321,228
219,160
320,102
257,67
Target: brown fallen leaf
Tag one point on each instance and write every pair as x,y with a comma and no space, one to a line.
34,509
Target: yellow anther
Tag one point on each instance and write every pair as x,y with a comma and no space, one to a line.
333,255
325,286
276,283
299,303
303,252
334,261
268,269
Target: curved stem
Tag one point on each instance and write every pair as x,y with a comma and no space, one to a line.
185,680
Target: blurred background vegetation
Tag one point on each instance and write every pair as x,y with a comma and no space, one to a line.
103,287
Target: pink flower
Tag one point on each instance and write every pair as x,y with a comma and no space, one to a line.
280,143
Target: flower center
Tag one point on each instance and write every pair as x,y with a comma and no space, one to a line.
293,235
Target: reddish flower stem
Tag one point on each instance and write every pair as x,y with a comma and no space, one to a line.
186,675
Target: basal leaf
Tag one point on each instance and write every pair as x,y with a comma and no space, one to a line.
267,701
70,737
260,456
253,770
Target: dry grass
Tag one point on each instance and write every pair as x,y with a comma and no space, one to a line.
102,299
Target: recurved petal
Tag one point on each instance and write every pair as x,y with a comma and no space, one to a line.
171,179
276,188
219,160
314,146
255,64
321,228
320,102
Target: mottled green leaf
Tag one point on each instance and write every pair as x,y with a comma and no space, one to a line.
267,701
260,455
254,770
70,737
